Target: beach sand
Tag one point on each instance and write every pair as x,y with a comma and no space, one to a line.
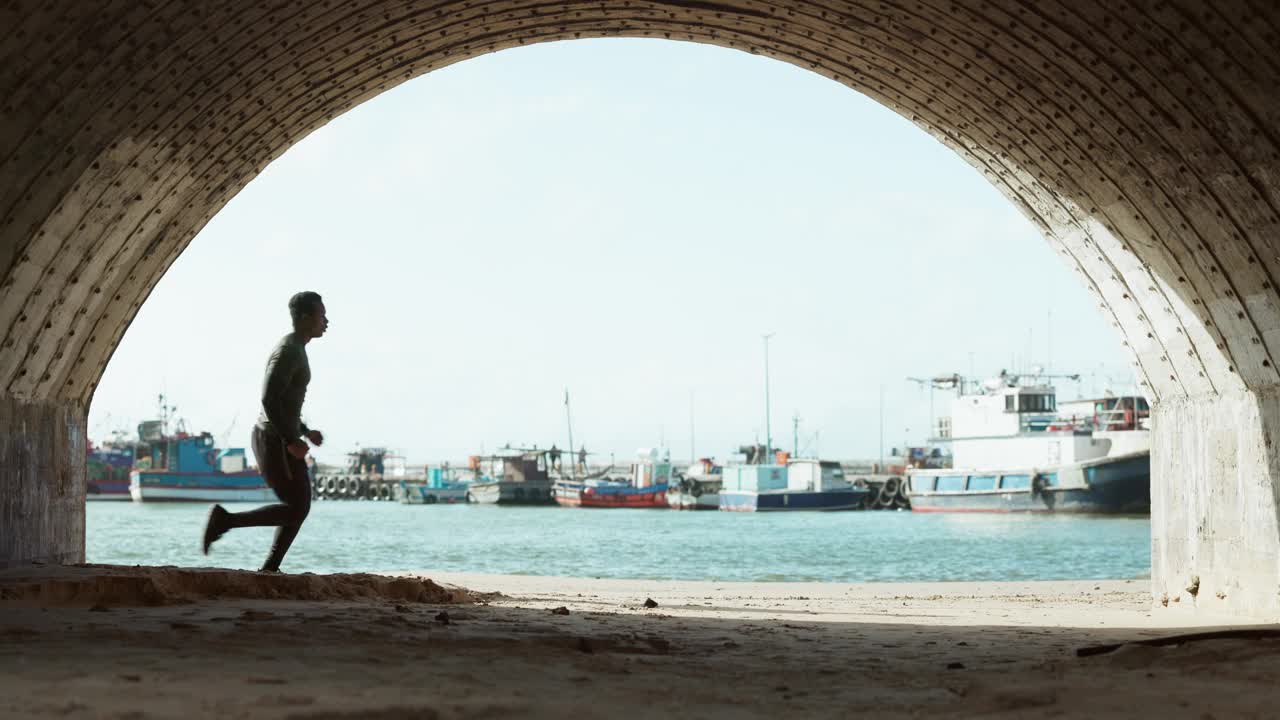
107,642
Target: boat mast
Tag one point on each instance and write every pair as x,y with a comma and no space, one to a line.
693,455
881,464
569,418
768,431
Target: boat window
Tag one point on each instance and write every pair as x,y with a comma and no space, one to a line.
921,484
1038,403
982,482
1015,482
1009,403
1050,479
951,482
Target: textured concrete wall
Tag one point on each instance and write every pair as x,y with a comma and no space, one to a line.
1215,541
1141,137
42,482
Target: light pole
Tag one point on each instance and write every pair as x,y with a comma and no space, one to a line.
693,454
768,432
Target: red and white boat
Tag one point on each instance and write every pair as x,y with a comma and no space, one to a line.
646,488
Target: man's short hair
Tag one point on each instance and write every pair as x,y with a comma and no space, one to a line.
303,304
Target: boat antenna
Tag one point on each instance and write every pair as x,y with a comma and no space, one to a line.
693,454
1048,330
166,412
569,419
226,434
881,464
768,430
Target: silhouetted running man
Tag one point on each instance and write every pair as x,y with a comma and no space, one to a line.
278,436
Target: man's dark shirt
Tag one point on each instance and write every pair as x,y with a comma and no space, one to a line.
284,387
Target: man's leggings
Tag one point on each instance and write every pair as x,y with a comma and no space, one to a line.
288,477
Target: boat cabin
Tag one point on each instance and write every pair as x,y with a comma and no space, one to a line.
1124,412
813,475
651,468
511,466
1004,410
1009,424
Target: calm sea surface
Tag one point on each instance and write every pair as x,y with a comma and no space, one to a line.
656,544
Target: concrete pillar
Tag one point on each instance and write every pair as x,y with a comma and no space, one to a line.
1215,539
42,482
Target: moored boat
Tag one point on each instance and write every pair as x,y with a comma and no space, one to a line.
1113,484
189,468
438,486
107,470
698,488
1014,450
801,484
416,493
646,487
511,477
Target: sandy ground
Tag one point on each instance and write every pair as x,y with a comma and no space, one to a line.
155,642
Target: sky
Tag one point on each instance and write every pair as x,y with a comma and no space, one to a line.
624,220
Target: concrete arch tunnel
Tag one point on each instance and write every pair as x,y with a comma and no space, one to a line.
1142,137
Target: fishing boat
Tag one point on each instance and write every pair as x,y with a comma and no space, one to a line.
798,485
698,488
185,467
1015,450
440,485
107,470
646,487
510,477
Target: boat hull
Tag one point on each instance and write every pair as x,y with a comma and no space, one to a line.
1110,485
681,500
511,493
420,494
578,495
792,501
106,491
163,486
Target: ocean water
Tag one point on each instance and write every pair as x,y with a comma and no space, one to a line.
652,544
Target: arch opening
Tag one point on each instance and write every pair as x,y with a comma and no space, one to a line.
1138,139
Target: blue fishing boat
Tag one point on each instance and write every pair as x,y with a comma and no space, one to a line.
187,467
802,484
107,468
440,485
1015,451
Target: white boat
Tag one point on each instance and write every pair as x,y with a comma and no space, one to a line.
803,484
698,488
1015,450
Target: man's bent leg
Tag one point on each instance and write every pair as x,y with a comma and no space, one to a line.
295,491
272,457
288,478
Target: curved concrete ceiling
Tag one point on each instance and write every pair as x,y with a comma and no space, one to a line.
1140,136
